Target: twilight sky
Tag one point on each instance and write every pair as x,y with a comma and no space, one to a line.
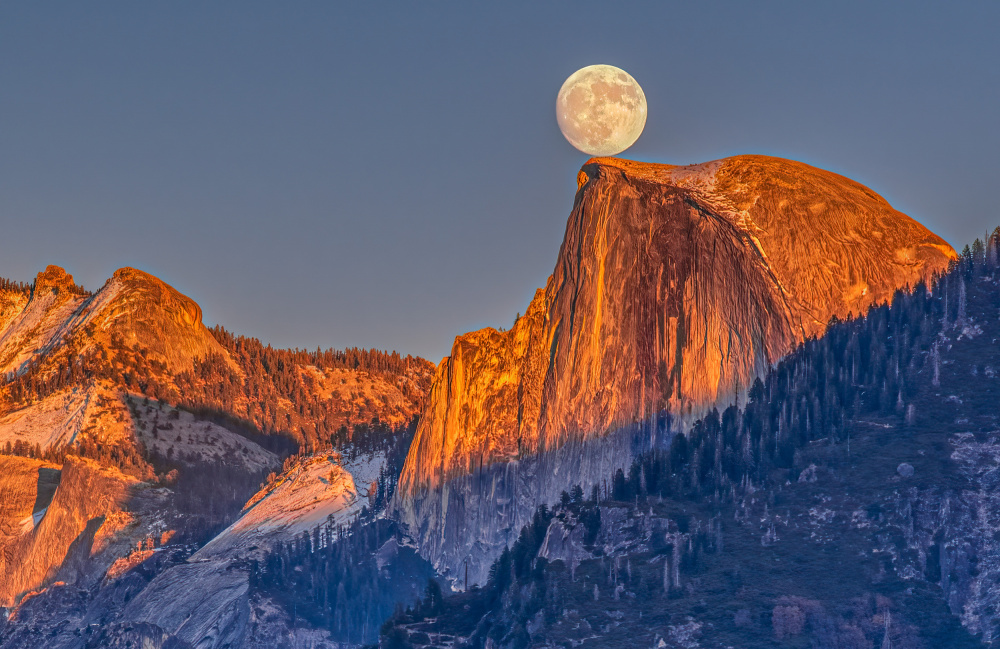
391,174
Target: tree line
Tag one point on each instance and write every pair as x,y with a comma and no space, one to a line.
876,366
256,390
12,286
352,358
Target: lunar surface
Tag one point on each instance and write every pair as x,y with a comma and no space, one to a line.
601,110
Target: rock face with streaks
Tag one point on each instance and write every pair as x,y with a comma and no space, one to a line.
674,289
62,525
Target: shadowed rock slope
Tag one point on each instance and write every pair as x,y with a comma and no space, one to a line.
675,288
66,528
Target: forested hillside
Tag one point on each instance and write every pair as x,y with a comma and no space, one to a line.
847,504
133,435
277,391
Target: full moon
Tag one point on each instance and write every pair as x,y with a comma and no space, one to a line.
601,110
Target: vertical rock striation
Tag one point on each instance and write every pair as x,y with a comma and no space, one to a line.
64,528
675,287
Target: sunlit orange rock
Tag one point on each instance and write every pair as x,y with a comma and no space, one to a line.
675,288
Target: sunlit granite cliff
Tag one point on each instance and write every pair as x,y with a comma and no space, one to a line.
675,287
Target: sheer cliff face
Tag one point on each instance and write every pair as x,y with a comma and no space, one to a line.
47,528
675,287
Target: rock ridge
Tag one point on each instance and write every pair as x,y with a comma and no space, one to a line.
53,278
674,289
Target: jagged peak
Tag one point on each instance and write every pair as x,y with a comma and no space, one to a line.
53,278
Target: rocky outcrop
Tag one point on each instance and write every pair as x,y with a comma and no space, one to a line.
143,310
132,309
33,324
675,288
64,529
25,492
207,600
53,279
323,491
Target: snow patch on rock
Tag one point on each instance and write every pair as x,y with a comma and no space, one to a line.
320,491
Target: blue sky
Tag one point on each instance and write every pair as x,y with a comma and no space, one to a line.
391,174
